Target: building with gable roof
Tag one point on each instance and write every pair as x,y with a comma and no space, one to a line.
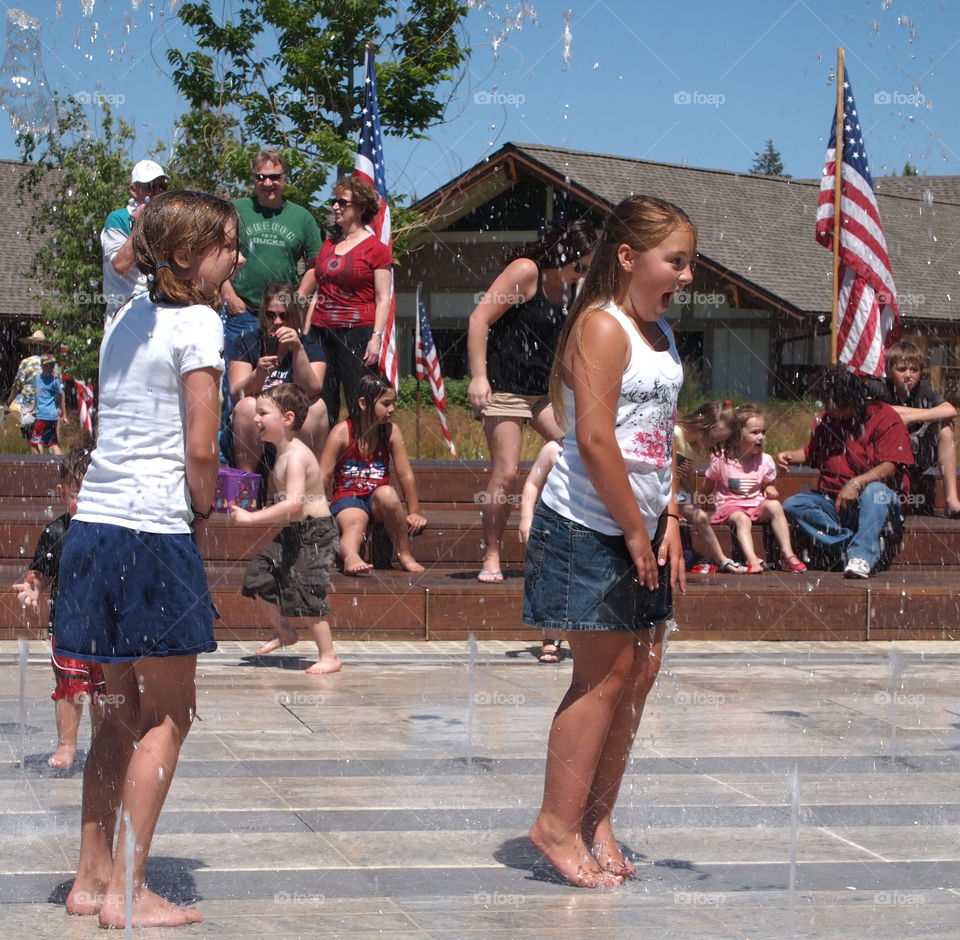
756,322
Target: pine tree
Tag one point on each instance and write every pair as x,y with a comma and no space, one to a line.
767,162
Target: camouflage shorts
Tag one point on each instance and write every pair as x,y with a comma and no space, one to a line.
293,571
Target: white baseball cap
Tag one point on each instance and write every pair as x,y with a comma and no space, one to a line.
146,171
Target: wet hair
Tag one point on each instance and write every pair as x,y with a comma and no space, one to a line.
286,293
641,222
843,389
564,243
370,389
196,222
362,194
909,353
73,466
289,397
268,155
704,419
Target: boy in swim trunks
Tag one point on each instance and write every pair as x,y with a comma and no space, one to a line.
291,575
76,681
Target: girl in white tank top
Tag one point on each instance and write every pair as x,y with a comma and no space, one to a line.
607,521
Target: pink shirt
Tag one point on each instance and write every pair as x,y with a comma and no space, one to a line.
740,484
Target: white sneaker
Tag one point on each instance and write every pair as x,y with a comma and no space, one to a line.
856,568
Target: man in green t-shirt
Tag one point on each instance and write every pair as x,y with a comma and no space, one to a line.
274,236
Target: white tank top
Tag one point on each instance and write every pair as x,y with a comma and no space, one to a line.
644,429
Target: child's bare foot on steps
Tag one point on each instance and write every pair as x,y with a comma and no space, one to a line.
355,565
324,665
409,563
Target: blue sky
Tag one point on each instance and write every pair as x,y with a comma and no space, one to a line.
699,83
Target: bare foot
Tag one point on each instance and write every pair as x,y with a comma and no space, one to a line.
355,565
85,897
409,563
606,850
285,636
570,857
325,665
62,757
149,910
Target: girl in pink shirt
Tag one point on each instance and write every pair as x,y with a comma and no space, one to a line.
743,477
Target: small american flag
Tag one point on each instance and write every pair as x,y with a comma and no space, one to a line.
869,318
428,367
84,392
369,167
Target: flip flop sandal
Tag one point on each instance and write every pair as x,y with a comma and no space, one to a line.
550,651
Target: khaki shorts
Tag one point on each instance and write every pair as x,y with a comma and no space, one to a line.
510,405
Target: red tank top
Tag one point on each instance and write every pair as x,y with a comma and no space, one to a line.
358,474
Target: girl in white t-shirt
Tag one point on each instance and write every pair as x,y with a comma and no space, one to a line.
604,546
133,593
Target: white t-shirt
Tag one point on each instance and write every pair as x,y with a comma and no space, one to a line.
644,429
137,476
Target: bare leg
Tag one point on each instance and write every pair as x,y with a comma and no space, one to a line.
742,524
68,712
947,458
503,439
323,637
602,663
103,774
316,427
167,699
700,523
284,632
247,447
388,510
353,523
772,512
598,830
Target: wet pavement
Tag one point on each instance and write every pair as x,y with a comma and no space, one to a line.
393,799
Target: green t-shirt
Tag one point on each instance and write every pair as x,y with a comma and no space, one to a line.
273,240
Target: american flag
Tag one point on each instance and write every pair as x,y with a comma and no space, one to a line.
369,167
84,392
869,318
428,367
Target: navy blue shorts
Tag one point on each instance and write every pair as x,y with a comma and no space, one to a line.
578,579
351,502
125,595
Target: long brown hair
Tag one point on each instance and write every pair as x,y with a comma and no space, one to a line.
641,222
704,419
196,222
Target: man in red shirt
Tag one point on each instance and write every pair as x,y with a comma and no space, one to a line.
861,448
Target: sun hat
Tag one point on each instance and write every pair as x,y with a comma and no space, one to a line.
146,171
37,336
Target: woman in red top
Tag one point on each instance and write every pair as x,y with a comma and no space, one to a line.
350,282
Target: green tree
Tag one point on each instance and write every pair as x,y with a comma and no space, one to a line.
75,178
910,170
767,162
290,75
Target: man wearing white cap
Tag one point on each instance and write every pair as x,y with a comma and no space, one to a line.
121,277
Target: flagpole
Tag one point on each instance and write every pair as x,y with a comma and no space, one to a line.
416,370
837,191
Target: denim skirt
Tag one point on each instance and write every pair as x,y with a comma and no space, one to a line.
124,595
578,579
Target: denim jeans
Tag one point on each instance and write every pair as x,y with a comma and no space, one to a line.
856,530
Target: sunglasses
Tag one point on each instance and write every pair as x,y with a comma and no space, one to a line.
342,203
263,177
270,315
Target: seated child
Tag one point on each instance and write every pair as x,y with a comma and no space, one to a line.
76,681
292,574
743,476
929,420
696,435
532,488
357,456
